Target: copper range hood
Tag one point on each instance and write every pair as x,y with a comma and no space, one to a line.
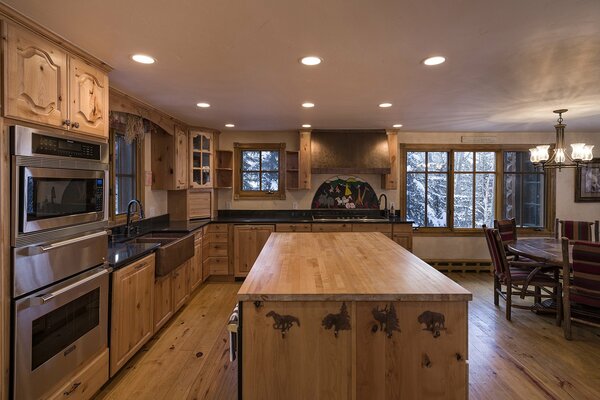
350,152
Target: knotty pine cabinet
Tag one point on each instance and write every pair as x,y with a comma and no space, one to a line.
403,235
163,301
180,285
424,357
86,382
196,263
170,160
215,250
132,310
248,241
46,85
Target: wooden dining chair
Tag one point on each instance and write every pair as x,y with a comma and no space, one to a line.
518,276
508,233
583,288
576,230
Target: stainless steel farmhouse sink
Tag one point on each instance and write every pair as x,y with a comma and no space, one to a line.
175,249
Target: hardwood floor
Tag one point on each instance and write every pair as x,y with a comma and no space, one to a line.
527,358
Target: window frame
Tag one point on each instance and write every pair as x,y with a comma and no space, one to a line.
498,149
139,177
240,194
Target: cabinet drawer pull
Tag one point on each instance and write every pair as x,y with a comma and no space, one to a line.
142,265
72,389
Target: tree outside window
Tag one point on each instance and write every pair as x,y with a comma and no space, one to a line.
260,172
427,188
524,190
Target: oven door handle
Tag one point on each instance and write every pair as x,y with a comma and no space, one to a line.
44,298
67,242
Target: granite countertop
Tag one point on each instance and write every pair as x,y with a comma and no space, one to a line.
120,254
302,220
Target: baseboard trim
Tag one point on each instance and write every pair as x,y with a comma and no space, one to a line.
461,265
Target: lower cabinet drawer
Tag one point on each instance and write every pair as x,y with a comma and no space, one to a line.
331,227
292,228
217,265
87,382
383,228
217,249
220,237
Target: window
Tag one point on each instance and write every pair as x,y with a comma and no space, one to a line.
126,166
260,172
427,188
461,189
474,188
523,194
454,189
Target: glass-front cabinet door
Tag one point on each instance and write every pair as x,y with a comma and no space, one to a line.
201,152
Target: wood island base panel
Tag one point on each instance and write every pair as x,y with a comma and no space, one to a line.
350,316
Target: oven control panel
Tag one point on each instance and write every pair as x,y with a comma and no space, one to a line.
99,195
54,146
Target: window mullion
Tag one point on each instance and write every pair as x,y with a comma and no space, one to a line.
426,222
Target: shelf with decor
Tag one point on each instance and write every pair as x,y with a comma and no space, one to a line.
224,169
292,176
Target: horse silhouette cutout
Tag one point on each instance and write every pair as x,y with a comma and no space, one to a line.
283,322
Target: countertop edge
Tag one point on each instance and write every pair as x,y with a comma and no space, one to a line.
410,297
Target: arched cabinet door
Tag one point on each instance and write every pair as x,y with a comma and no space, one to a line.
36,83
88,98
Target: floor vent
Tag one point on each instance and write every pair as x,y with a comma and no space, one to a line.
461,265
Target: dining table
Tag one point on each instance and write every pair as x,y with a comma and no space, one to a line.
545,250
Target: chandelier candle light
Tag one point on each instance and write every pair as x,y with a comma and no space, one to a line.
581,153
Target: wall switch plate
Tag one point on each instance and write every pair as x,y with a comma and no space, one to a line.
295,205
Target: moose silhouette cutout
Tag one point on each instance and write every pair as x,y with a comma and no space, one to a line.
387,319
283,322
339,322
434,322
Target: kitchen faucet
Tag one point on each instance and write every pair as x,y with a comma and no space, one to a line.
141,213
385,208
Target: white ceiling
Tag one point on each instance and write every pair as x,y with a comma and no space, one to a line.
509,62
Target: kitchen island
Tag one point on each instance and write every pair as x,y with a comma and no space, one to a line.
350,316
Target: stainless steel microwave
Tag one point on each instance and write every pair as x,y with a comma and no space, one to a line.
58,181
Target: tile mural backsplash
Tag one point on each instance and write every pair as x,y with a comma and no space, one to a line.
345,192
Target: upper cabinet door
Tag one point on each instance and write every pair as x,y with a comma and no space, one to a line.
89,99
201,159
36,79
181,158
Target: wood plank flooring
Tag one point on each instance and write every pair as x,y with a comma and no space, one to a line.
527,358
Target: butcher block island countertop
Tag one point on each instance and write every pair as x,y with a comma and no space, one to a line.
340,266
349,315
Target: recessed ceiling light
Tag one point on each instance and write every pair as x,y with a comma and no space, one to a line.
203,105
308,105
306,126
143,59
385,105
436,60
397,125
311,60
229,125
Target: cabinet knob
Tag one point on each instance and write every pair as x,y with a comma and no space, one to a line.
67,122
75,125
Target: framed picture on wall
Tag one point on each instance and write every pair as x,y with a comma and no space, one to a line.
587,182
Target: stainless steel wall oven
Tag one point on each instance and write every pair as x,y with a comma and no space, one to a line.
60,276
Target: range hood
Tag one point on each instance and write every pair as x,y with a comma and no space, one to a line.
350,152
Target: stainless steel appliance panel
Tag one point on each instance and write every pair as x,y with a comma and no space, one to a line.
41,265
58,330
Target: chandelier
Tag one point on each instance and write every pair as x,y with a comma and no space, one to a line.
580,152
